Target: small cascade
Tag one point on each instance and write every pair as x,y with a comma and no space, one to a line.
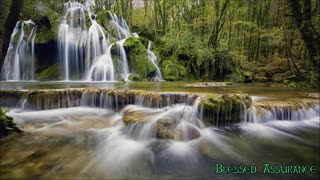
103,98
271,111
102,69
216,110
120,25
123,58
20,58
78,45
154,59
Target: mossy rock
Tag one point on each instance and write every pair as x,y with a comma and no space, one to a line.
46,15
51,73
173,72
224,109
248,76
145,42
138,58
259,78
134,77
103,18
7,125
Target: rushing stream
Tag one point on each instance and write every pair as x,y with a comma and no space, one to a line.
92,125
127,134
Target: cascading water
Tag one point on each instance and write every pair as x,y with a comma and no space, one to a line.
86,53
83,44
157,135
154,59
120,26
20,58
123,58
102,68
79,46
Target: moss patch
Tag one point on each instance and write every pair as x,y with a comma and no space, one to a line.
134,77
103,18
7,125
225,109
138,58
173,72
51,73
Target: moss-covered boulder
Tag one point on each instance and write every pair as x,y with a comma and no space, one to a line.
51,73
173,72
138,58
103,18
7,125
134,77
248,76
225,109
45,14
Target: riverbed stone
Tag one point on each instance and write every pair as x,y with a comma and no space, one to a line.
7,126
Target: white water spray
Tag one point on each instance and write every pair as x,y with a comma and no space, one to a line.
19,61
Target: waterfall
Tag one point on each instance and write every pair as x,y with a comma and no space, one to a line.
154,59
123,58
84,47
102,69
258,112
120,25
78,45
296,110
19,61
85,53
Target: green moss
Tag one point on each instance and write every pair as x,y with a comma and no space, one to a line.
225,108
103,18
51,73
6,124
260,79
248,76
173,72
45,14
144,41
134,77
138,58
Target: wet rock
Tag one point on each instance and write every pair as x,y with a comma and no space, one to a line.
7,126
138,58
224,109
51,73
166,128
313,95
294,103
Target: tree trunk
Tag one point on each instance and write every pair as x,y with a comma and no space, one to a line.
303,20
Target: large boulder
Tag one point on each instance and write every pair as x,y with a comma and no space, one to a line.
166,127
138,58
173,72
